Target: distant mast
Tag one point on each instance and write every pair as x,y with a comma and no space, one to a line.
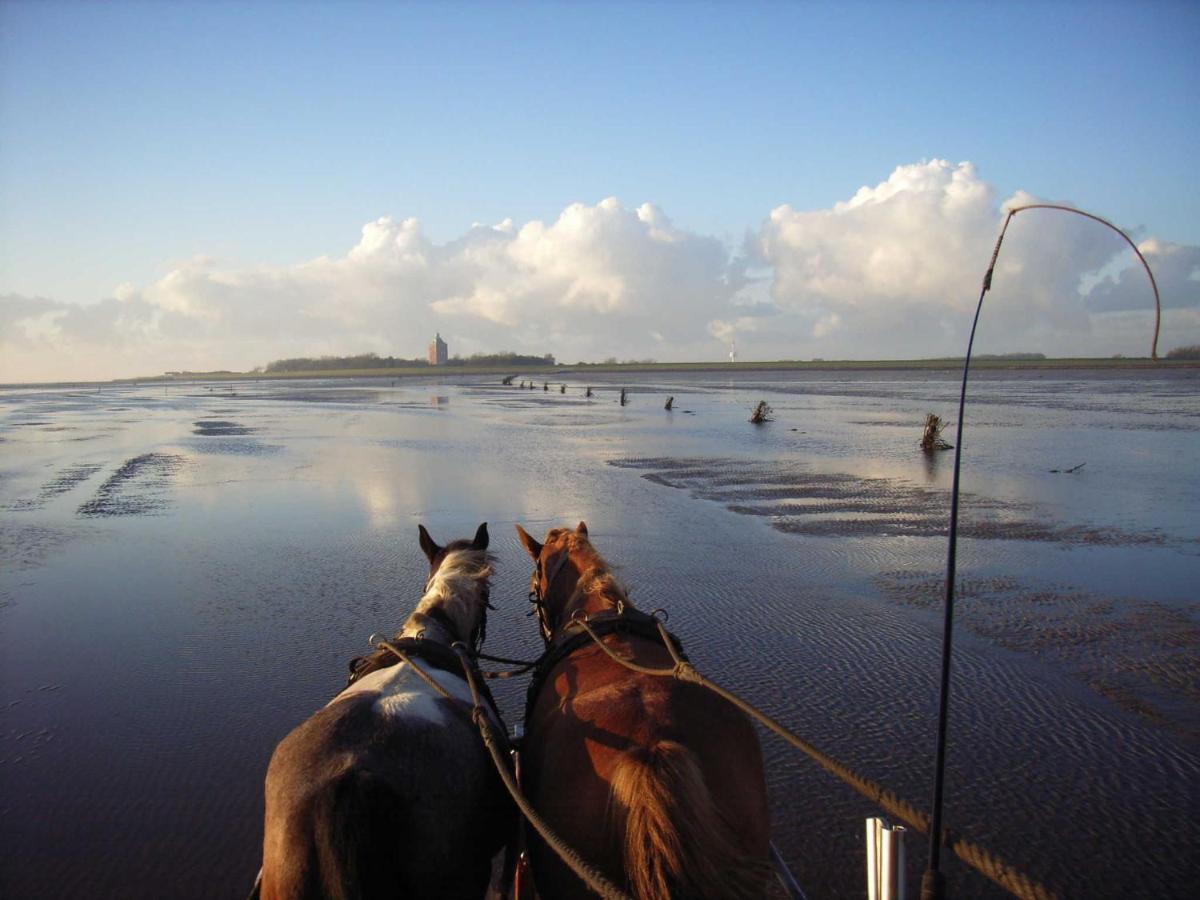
732,352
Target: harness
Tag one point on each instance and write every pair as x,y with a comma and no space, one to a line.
431,653
578,632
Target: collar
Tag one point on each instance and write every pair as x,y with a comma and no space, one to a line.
435,625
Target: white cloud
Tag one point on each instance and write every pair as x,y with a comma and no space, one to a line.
1176,270
896,271
893,271
599,280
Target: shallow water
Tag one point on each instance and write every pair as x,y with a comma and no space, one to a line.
185,571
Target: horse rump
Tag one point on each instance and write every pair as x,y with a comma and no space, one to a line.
676,842
361,822
344,846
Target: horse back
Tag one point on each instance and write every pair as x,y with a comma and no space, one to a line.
364,802
602,742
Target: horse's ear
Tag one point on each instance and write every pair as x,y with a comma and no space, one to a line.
481,538
428,546
532,547
582,529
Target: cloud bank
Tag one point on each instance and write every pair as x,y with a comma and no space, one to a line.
891,272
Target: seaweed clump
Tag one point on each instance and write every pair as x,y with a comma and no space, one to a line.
931,439
762,413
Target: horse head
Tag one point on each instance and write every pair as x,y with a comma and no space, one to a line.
437,555
569,577
457,590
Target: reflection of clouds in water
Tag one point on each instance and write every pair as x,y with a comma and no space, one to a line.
315,546
379,502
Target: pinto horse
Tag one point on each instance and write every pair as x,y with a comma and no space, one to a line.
388,791
657,782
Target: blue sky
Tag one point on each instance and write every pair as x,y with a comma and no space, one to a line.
136,136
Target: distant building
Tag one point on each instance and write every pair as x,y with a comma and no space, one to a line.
438,351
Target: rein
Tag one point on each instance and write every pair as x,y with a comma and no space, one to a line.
582,627
979,859
500,751
496,747
381,659
581,630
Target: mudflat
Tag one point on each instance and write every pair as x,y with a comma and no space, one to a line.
185,570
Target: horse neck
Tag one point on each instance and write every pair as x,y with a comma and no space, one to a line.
432,625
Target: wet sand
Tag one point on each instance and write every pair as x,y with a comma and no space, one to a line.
184,573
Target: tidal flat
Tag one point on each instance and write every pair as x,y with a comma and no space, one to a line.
186,569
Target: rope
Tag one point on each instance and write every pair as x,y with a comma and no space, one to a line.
591,876
504,660
506,673
974,856
523,665
421,673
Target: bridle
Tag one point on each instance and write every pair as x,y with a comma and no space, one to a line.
538,589
423,644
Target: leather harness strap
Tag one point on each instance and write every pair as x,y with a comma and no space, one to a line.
431,653
573,635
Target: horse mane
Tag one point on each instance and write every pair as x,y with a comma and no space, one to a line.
595,576
593,582
458,590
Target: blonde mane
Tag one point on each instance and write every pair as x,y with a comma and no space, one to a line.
595,577
458,590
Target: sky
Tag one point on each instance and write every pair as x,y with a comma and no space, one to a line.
216,185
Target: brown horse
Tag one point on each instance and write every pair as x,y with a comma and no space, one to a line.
658,783
388,791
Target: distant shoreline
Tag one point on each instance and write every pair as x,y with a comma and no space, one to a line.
536,372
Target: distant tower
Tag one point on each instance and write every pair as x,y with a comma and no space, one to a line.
438,351
733,351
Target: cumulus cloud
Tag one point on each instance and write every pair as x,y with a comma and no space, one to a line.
892,271
895,270
1176,270
599,280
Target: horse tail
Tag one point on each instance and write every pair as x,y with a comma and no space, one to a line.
356,825
676,842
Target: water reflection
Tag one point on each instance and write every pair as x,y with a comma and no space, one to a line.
932,463
152,660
